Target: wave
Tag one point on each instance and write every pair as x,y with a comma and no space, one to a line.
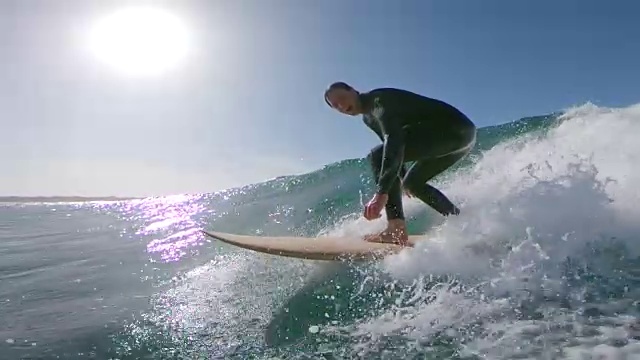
548,229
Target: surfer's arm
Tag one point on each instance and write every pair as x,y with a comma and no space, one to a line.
393,150
403,171
371,125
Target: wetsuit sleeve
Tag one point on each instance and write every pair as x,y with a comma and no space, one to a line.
403,171
393,151
371,124
378,132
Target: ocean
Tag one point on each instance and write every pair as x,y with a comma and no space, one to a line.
542,263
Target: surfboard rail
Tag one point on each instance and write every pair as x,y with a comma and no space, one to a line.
331,248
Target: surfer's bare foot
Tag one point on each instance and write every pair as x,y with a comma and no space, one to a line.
395,233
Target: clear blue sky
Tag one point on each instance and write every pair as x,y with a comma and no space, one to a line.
246,103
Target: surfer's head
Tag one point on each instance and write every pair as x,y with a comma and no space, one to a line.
342,97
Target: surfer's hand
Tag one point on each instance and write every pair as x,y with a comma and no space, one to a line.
374,207
407,192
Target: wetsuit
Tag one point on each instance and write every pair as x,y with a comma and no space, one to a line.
414,128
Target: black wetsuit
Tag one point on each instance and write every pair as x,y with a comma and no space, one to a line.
417,129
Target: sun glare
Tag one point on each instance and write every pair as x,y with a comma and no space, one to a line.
140,41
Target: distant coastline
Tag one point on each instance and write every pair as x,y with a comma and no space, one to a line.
54,199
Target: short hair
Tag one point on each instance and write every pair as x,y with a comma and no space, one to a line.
336,85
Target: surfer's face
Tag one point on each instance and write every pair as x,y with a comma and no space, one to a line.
345,101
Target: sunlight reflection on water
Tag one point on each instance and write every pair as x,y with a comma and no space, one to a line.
172,215
170,220
171,225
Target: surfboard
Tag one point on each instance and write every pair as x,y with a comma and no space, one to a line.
313,248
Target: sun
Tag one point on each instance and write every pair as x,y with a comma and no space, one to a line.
140,41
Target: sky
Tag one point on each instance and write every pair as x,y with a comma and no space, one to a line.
244,103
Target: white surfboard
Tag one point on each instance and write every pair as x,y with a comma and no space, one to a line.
313,248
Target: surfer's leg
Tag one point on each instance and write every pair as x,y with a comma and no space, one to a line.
424,170
393,208
396,231
432,157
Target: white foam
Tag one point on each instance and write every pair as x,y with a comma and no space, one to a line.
528,205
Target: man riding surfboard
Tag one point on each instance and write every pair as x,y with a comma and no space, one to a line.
413,128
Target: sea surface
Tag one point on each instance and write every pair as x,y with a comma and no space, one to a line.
541,264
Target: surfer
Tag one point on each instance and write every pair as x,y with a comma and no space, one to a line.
413,128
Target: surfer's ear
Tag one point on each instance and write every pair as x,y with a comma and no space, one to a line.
326,98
